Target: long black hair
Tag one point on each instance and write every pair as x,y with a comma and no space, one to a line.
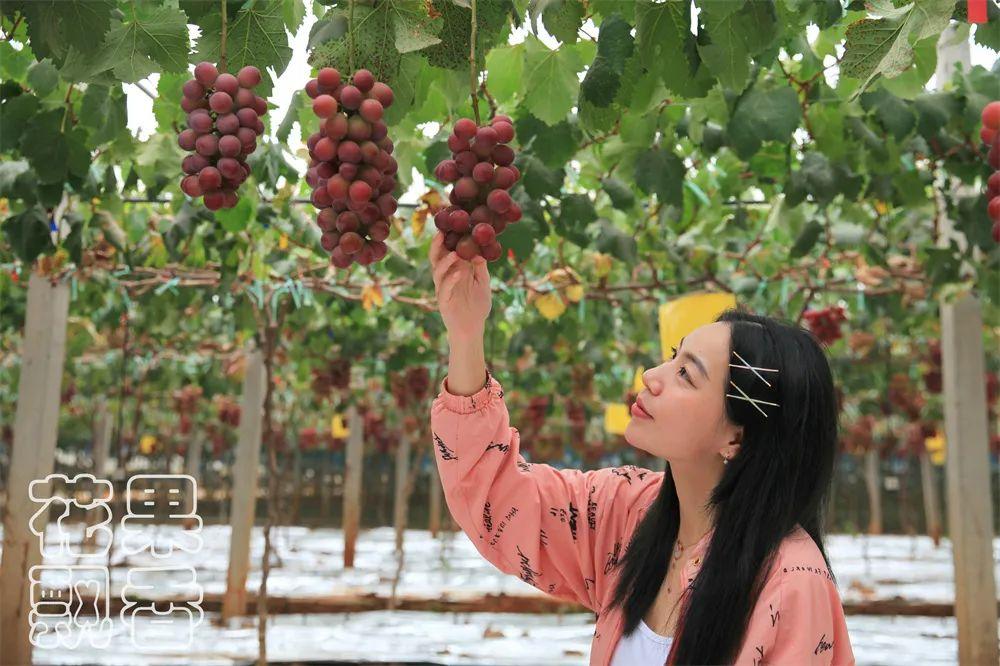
779,478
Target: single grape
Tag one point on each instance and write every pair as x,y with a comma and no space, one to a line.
312,88
325,149
227,123
324,106
248,76
338,187
459,221
467,248
383,93
466,188
221,102
351,97
245,99
502,155
209,179
504,132
206,73
247,118
200,121
215,200
499,201
379,231
348,221
230,168
358,129
484,234
193,89
328,78
227,83
371,110
482,172
190,186
207,145
351,242
348,151
465,129
360,191
363,80
186,139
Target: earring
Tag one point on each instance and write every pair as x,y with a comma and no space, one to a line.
725,458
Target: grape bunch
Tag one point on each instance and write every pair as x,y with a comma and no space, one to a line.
990,135
223,125
825,323
482,170
352,170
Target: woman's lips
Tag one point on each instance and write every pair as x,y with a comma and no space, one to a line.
637,410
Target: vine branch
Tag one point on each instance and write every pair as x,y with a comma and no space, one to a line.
222,42
473,70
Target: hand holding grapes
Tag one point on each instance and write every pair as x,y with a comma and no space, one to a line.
463,291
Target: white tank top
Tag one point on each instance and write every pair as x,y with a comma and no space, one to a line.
644,647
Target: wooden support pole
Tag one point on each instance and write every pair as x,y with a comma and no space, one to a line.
192,467
932,507
244,485
33,454
402,496
873,483
970,507
99,455
352,483
434,519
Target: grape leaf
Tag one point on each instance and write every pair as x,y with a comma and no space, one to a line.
663,37
59,154
415,28
42,77
103,112
576,211
550,84
14,115
538,179
374,47
453,50
882,47
554,144
615,242
563,18
763,115
504,67
28,233
891,112
806,239
615,46
658,171
56,26
736,31
255,36
620,194
152,39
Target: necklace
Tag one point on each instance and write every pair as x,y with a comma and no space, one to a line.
678,551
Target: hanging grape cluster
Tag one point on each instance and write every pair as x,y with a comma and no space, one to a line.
482,170
825,323
990,135
352,170
224,121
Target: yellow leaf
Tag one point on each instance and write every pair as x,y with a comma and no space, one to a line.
574,293
637,383
147,443
682,315
936,447
283,242
337,427
616,417
602,264
550,305
419,220
880,207
371,296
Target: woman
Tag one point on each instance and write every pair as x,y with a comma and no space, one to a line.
719,559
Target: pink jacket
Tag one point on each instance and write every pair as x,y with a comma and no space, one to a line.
562,531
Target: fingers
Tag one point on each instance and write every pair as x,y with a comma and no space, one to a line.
437,250
451,280
481,271
443,266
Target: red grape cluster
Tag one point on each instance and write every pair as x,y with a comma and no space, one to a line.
825,323
990,135
352,171
223,125
482,170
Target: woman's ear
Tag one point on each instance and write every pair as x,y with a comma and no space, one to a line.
733,447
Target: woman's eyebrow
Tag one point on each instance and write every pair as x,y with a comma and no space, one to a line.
695,359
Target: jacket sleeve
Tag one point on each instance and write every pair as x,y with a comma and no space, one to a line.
561,531
798,621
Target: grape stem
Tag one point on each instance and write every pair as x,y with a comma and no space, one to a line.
350,36
222,42
473,70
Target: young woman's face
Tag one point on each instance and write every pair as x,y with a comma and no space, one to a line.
685,400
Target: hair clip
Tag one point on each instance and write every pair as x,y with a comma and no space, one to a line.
743,395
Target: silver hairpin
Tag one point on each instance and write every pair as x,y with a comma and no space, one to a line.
743,395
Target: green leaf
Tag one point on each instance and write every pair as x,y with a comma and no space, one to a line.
293,11
59,153
294,106
665,42
256,36
806,239
563,18
14,63
892,113
658,171
576,211
615,242
453,50
237,218
43,77
375,46
103,112
166,108
615,46
537,179
504,66
882,47
550,84
14,116
726,54
620,194
55,27
764,115
28,233
152,39
555,145
415,28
